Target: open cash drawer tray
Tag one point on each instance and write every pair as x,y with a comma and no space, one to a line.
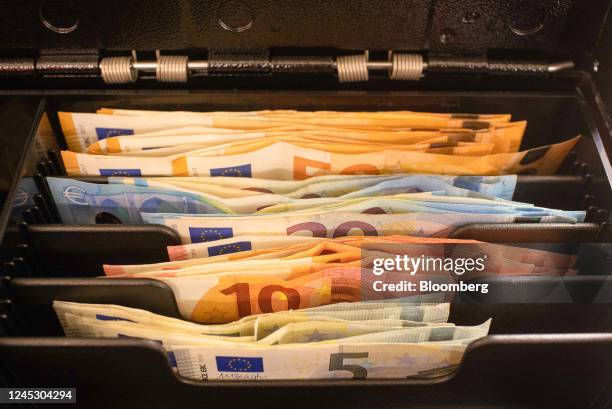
53,261
539,355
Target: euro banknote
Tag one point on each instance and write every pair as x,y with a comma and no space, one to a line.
254,288
420,352
282,330
294,162
406,311
326,272
501,139
491,118
94,328
207,296
346,186
227,247
198,254
323,361
344,249
202,228
391,331
329,145
294,328
140,145
84,129
324,144
24,197
308,247
89,203
500,260
425,202
261,246
179,141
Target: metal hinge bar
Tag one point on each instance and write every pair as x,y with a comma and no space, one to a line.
348,68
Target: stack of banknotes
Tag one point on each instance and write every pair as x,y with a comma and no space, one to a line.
222,175
283,217
357,340
227,287
294,145
308,310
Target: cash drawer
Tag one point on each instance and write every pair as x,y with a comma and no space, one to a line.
545,62
50,261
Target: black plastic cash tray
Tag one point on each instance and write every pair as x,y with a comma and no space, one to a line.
51,261
80,250
500,371
539,305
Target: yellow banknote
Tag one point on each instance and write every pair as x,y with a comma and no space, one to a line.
294,162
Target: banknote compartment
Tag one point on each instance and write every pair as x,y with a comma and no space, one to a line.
80,250
521,305
490,375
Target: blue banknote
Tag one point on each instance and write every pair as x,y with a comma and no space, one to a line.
475,186
24,198
92,203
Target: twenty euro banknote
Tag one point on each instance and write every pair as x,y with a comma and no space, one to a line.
331,224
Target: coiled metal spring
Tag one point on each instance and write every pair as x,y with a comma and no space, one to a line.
172,68
352,68
406,67
178,68
118,70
